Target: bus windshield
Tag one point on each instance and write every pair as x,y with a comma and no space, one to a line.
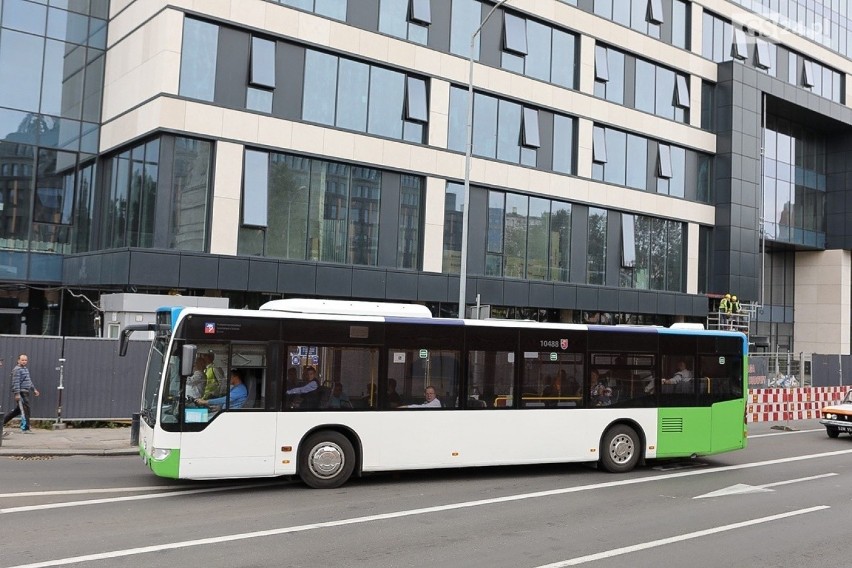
153,377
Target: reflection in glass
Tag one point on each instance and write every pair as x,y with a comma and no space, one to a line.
352,95
318,101
596,247
191,190
21,58
387,93
198,59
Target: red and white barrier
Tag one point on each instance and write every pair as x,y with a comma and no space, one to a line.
803,403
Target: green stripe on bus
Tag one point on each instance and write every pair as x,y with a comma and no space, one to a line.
701,430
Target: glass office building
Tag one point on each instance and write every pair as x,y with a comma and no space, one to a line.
631,161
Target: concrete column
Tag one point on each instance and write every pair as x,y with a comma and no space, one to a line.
822,302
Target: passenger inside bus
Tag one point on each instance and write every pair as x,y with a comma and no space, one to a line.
308,393
431,399
338,398
394,399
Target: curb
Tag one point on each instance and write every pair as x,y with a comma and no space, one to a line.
30,452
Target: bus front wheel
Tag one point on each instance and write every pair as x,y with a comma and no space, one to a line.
620,449
327,460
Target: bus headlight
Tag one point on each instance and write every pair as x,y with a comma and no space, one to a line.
831,416
160,454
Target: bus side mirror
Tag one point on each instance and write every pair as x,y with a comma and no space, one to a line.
187,359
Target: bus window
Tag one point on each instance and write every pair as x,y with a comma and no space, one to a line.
415,369
551,379
624,378
250,360
331,378
719,378
489,378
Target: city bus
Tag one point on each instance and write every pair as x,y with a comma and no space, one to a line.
330,389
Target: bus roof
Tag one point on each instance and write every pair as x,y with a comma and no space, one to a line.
347,308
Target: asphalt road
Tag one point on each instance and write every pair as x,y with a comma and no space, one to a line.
783,502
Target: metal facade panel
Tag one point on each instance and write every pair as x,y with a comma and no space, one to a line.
98,384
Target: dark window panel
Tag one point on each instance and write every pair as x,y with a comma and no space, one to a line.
530,131
262,63
681,92
415,100
255,189
420,11
739,49
655,11
601,67
599,145
808,74
762,58
514,34
664,161
628,241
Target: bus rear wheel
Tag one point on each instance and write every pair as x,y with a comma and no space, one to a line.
620,449
327,460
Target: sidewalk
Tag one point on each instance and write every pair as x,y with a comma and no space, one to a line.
116,441
68,442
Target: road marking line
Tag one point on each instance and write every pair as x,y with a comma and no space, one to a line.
750,437
392,515
9,510
91,491
679,538
789,481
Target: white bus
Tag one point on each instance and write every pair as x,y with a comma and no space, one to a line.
332,389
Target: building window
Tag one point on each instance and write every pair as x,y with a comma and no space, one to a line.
599,145
681,92
596,247
406,19
307,209
415,100
739,48
508,131
655,11
762,58
420,11
807,73
198,59
128,219
664,161
530,130
465,18
514,34
601,67
262,63
335,9
255,188
191,183
366,98
539,51
628,241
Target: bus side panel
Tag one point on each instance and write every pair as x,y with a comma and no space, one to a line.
729,429
429,439
684,431
234,444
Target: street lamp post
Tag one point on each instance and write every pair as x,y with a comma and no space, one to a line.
467,158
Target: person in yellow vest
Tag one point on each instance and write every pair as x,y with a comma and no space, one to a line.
724,310
735,310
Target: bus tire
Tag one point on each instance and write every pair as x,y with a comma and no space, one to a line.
832,431
327,460
620,449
